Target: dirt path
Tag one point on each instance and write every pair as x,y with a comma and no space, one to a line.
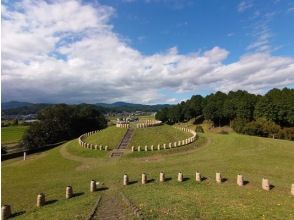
111,206
86,163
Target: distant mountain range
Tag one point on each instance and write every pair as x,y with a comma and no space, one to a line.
15,107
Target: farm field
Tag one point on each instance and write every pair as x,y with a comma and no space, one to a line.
253,157
12,134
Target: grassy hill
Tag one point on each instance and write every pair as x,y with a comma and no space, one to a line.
50,172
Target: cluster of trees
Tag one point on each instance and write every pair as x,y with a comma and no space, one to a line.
240,110
62,122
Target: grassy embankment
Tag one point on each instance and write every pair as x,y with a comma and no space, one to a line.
50,172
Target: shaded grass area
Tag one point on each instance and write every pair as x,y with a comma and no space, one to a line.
163,134
230,154
12,134
110,137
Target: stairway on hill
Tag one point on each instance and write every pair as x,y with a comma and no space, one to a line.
123,144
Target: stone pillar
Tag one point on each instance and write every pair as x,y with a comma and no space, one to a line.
161,177
96,146
218,178
240,181
198,177
139,148
24,155
180,177
144,178
175,144
292,189
92,186
265,184
146,148
106,148
68,192
164,146
100,147
152,148
170,145
183,142
41,199
5,212
125,180
158,147
179,143
133,148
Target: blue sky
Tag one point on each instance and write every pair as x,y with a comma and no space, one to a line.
144,51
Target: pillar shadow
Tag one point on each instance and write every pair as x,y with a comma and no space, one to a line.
150,181
167,179
271,186
203,178
49,202
245,182
224,180
17,214
132,182
78,194
102,188
185,179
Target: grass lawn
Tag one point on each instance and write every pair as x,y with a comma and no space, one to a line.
50,172
12,134
163,134
110,136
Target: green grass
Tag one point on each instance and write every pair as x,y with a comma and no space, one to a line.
163,134
110,137
12,134
230,154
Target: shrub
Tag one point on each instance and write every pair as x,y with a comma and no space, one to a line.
199,129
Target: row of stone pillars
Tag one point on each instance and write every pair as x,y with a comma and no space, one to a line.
41,199
218,178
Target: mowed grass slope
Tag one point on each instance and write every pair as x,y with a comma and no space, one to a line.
254,157
110,137
12,134
163,134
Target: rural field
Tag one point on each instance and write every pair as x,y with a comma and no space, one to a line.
231,154
12,134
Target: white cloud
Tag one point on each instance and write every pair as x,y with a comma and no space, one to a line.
245,5
67,52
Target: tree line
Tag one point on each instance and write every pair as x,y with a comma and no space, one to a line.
269,115
63,122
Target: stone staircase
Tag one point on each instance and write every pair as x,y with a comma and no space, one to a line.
123,144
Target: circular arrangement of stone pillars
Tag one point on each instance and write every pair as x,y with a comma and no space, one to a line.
41,199
88,145
149,123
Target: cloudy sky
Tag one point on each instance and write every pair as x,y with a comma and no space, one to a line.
144,51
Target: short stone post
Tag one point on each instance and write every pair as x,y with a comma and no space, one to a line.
292,189
41,199
183,142
106,148
152,148
180,177
198,177
144,178
5,212
133,148
92,186
161,177
175,144
125,180
265,184
170,145
146,148
164,146
100,147
158,147
139,148
240,181
68,192
24,155
218,178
